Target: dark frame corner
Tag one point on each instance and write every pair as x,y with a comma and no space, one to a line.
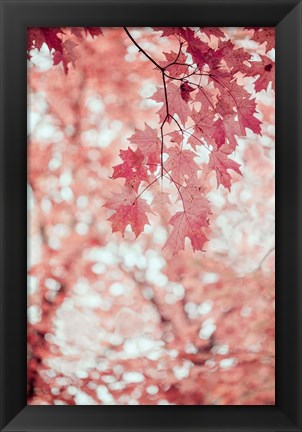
16,15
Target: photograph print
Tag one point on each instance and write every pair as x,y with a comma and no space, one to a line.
151,216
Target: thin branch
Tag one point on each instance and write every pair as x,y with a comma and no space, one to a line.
142,50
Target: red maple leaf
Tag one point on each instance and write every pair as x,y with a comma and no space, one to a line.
63,51
225,130
174,64
196,46
235,96
220,163
234,57
185,90
207,97
213,31
149,144
205,126
189,222
36,36
130,209
132,169
246,108
213,59
220,108
67,56
176,104
82,32
266,71
181,164
169,31
264,35
93,31
176,137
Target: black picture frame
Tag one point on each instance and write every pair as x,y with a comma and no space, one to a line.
16,15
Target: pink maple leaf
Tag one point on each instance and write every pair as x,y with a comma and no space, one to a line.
220,163
185,90
204,126
196,46
93,31
130,209
67,56
234,57
227,129
176,104
235,96
246,109
149,144
36,36
266,71
189,222
264,35
181,164
132,169
213,31
173,67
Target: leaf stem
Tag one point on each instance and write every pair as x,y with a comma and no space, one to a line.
147,187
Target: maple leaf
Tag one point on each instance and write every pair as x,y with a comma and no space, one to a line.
130,209
181,164
131,169
234,56
176,137
225,104
36,36
246,109
207,97
189,222
266,71
201,52
204,125
176,104
81,32
77,31
130,293
234,95
185,225
173,67
149,144
220,163
93,31
227,129
196,46
169,31
213,31
185,90
67,56
264,35
213,59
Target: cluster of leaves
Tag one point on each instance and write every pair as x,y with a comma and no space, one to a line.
53,37
204,104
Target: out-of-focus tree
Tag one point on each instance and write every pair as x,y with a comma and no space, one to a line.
151,264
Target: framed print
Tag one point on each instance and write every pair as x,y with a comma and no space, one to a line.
140,286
